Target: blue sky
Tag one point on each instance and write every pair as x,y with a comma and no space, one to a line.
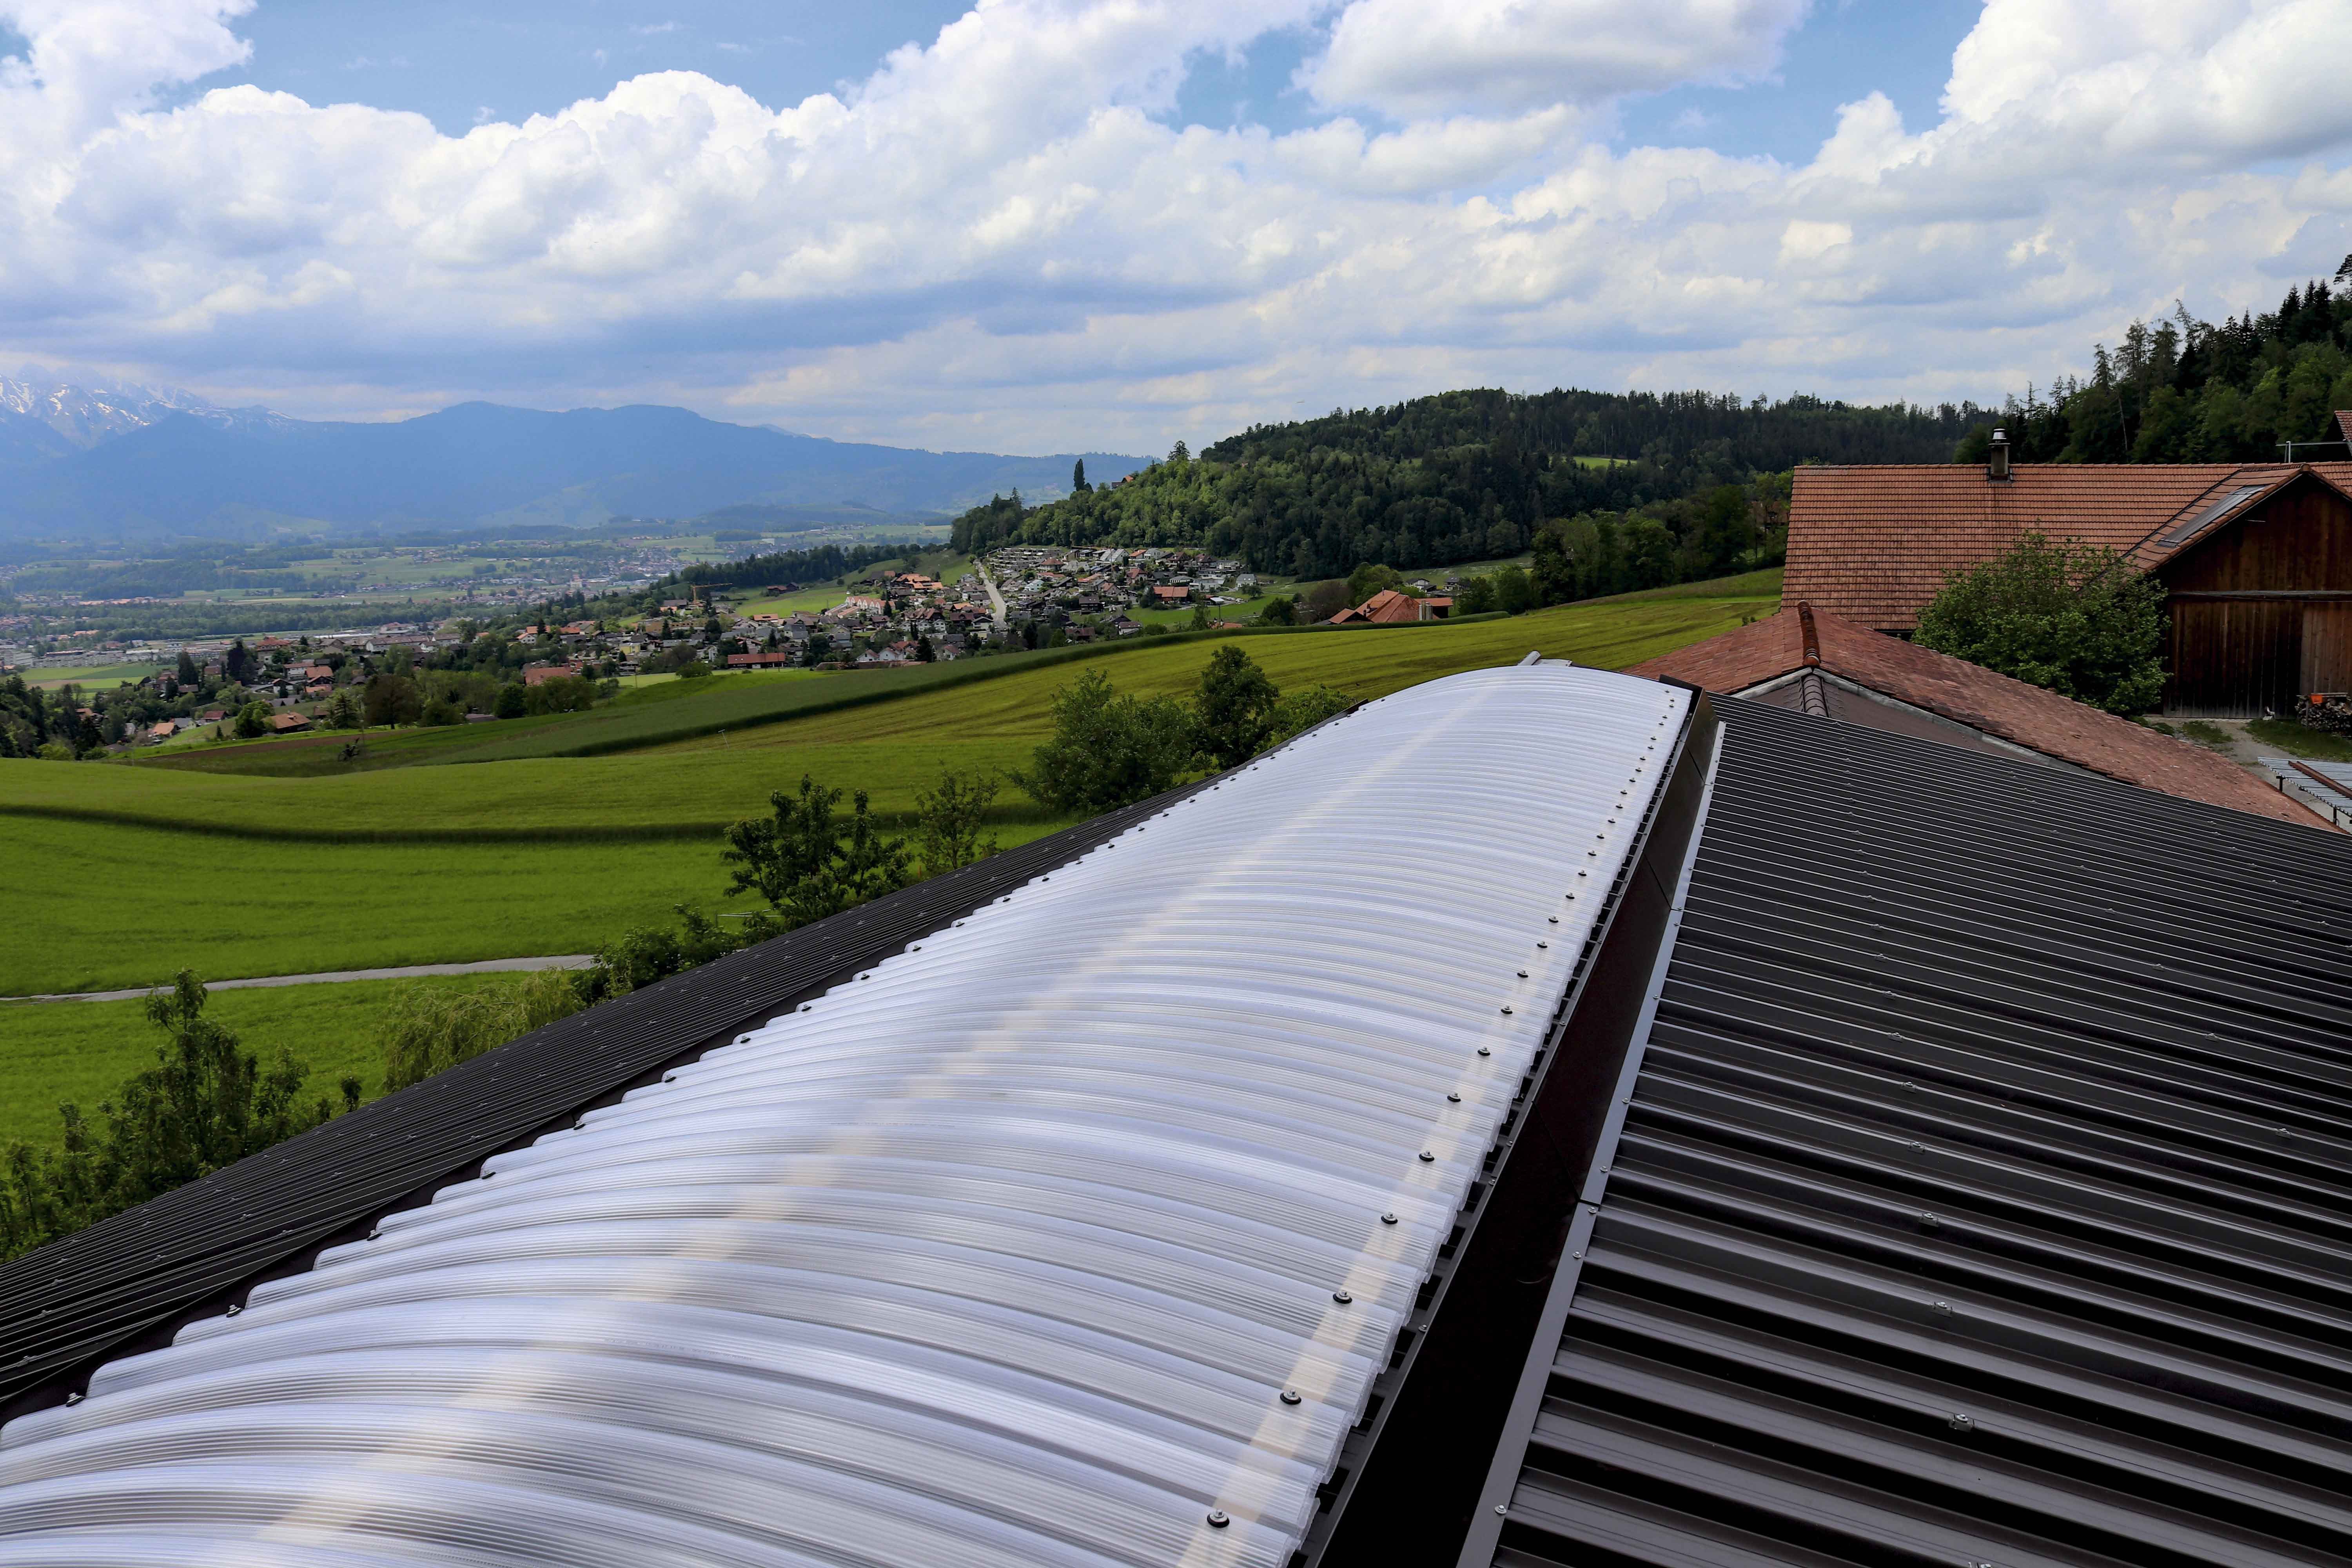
1054,224
459,63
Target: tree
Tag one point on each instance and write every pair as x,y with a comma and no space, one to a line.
252,720
1302,709
805,864
948,818
1232,706
237,662
424,1030
1078,485
189,675
1323,600
512,701
391,699
343,710
1108,749
1515,591
1370,579
2077,619
1475,597
205,1104
1279,611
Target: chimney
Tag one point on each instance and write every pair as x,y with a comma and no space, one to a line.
1997,455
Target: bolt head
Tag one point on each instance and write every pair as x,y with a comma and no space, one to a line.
1219,1518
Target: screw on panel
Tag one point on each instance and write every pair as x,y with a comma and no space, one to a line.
1523,975
1555,921
1388,1218
1341,1297
72,1399
1959,1423
1484,1051
1428,1156
1452,1099
1219,1518
1507,1010
233,1311
1945,1308
1290,1397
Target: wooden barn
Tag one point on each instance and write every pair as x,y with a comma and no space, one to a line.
2257,558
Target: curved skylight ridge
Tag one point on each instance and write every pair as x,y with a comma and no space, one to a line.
1075,1234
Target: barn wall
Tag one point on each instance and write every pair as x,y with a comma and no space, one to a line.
2290,633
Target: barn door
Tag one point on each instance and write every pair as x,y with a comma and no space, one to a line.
2327,646
2235,658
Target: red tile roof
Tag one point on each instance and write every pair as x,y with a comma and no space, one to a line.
1874,544
1970,694
1387,608
2344,423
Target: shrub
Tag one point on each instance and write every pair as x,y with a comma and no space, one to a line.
205,1104
426,1029
948,823
1109,750
2073,618
1302,709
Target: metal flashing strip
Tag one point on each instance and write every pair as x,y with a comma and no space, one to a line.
1511,1445
1408,1478
1077,1233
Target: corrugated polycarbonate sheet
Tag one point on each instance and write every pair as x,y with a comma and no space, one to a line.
1076,1233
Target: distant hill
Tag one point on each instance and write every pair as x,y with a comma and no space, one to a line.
1478,474
245,473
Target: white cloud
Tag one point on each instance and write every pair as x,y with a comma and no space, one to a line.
1413,58
1001,240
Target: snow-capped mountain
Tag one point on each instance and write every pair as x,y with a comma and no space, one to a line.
87,416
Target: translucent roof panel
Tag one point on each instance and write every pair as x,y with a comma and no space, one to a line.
1074,1234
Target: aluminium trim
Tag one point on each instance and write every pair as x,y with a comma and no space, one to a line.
1510,1450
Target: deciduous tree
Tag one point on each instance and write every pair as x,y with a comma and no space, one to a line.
2076,619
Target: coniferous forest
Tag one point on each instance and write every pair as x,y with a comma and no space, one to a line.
1640,490
1472,475
2186,391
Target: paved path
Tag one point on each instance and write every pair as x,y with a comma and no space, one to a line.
994,597
487,966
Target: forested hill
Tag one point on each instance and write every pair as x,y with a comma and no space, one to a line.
2186,391
1461,476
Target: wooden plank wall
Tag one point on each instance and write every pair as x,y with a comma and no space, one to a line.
2241,657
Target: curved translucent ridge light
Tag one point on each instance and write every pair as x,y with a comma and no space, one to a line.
1074,1234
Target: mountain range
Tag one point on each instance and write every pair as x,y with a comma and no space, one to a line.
138,462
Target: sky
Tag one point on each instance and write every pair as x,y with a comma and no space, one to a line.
1042,225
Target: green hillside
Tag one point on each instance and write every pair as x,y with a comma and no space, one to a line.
239,874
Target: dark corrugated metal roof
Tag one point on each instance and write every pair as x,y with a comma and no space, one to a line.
1986,1193
126,1282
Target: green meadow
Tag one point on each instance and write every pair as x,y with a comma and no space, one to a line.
559,833
79,1051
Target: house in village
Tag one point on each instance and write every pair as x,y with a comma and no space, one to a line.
1389,607
2257,558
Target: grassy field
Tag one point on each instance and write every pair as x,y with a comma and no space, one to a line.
136,870
125,905
80,1051
49,678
